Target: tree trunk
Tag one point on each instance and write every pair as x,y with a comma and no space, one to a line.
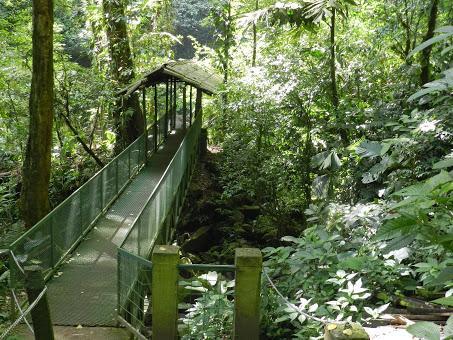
333,70
127,114
333,79
36,169
225,60
254,38
425,75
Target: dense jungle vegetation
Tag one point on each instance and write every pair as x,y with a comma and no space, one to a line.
333,136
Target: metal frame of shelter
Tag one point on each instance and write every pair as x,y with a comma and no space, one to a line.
191,75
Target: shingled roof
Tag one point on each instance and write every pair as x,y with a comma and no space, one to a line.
188,71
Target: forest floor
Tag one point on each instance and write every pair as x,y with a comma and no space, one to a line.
211,227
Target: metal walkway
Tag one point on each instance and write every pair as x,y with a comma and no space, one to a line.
84,290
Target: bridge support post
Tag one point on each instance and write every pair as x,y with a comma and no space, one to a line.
165,292
156,132
40,315
184,106
249,263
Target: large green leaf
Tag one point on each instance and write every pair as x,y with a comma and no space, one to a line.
399,242
444,276
425,330
427,187
369,149
448,329
445,163
445,301
429,42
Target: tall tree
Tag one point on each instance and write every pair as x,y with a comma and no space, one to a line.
254,37
425,75
127,115
36,170
223,22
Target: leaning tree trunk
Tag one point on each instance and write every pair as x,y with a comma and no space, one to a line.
36,169
425,75
127,115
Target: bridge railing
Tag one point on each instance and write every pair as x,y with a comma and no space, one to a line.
162,208
154,224
55,236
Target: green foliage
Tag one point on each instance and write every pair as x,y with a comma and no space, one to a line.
430,331
327,276
211,315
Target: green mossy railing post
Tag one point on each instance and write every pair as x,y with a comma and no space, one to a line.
165,292
40,315
249,263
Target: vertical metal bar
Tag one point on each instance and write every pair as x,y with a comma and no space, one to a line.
184,106
166,110
171,104
116,177
155,118
146,124
118,284
175,103
81,212
52,245
129,162
190,107
101,175
138,235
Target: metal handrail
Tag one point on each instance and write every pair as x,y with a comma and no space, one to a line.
71,196
162,179
80,228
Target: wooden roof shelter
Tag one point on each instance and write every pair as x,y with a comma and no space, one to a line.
190,72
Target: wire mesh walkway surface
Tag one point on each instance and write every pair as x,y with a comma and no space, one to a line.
84,290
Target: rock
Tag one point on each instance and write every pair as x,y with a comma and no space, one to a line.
250,212
347,331
388,332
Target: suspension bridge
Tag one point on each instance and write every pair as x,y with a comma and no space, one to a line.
129,206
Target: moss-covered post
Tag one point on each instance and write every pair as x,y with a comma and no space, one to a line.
164,292
249,263
40,315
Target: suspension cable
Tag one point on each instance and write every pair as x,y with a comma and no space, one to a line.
292,306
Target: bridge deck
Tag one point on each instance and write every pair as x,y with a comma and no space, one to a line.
84,291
